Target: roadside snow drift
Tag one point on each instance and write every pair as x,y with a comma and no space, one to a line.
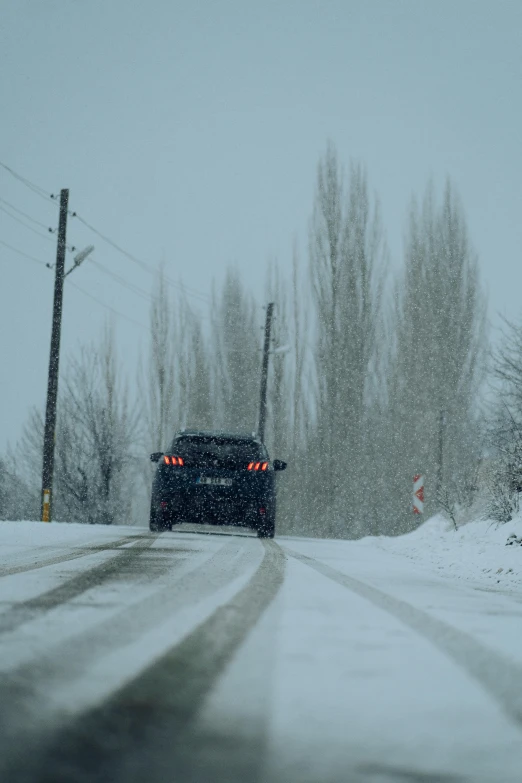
483,551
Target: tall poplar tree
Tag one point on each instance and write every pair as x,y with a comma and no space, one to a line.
235,345
347,256
437,365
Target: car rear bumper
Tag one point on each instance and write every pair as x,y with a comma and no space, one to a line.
214,508
182,497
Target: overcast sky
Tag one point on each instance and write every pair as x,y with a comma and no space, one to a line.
190,132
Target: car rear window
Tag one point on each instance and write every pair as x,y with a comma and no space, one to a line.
222,449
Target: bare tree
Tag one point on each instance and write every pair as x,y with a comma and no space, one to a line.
438,363
157,379
347,256
235,344
95,458
279,396
201,409
505,425
300,353
19,498
97,432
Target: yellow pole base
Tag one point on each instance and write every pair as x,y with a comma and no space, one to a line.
46,506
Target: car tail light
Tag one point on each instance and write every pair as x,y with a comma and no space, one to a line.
173,460
257,466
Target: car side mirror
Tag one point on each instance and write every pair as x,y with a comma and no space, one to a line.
278,464
156,456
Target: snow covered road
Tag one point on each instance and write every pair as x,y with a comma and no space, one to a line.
126,656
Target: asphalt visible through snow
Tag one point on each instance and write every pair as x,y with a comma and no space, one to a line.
202,655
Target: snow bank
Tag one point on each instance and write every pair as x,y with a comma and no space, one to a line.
476,551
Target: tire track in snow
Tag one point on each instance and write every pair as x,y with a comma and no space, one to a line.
74,555
496,673
26,611
184,586
144,731
40,695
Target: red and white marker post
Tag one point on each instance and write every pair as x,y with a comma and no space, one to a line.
418,494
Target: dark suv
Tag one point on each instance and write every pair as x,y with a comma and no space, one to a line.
217,478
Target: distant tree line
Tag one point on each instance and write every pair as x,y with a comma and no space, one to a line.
375,375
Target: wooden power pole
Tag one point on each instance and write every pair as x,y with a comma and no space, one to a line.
54,362
264,372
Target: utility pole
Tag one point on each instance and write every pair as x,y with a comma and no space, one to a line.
264,371
54,361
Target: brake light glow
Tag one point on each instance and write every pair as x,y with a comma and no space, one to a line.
258,466
173,460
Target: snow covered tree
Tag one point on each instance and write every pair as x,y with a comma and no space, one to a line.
95,465
196,369
437,364
235,345
505,426
347,255
157,380
279,391
17,499
300,344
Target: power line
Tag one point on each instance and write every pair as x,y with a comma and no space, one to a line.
121,280
116,277
31,185
145,267
24,224
133,288
187,290
74,285
108,307
21,253
29,217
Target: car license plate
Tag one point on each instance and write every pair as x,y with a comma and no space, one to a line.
214,481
